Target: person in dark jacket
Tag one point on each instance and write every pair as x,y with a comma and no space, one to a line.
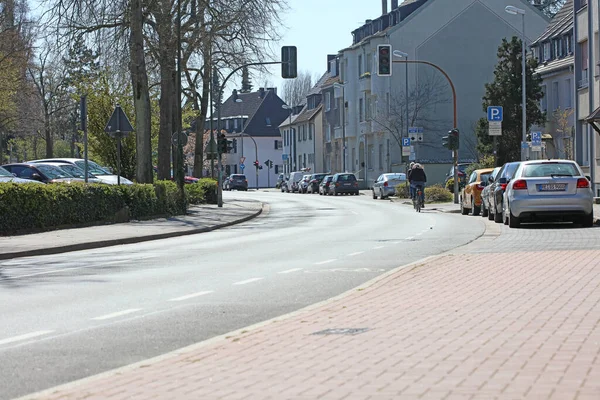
418,177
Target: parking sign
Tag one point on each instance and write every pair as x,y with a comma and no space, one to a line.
405,141
494,113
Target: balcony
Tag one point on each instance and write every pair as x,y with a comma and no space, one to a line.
364,82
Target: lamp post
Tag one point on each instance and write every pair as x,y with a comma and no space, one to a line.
292,138
402,54
516,11
241,103
342,86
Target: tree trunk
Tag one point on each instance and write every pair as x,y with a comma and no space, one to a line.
203,107
48,135
141,95
167,54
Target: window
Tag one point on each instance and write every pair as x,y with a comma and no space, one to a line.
360,65
369,62
583,47
361,110
268,121
381,157
544,101
278,145
368,105
547,51
226,124
327,101
555,98
299,162
304,129
568,44
235,124
311,129
304,158
568,94
557,48
328,133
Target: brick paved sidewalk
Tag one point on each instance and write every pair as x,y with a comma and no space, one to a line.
199,219
458,326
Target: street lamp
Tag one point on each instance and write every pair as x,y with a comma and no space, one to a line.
291,140
516,11
241,103
402,54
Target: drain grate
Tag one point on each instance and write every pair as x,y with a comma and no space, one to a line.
341,331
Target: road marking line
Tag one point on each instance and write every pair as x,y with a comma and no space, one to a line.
409,238
326,261
191,296
354,212
287,271
396,242
248,281
378,247
24,337
355,254
117,314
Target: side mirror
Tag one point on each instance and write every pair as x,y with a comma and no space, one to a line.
502,180
36,176
589,178
490,179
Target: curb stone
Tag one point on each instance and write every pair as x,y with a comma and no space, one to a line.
129,240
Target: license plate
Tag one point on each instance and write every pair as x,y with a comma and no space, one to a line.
552,187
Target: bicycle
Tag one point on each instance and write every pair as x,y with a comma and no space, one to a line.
417,198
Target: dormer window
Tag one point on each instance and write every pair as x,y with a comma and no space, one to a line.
268,121
547,51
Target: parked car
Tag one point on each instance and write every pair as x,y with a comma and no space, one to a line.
99,172
462,168
485,193
386,184
470,195
74,171
6,177
40,172
303,184
343,183
237,182
555,190
497,189
324,185
225,184
291,184
314,182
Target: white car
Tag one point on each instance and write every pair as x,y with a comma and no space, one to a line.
102,174
6,176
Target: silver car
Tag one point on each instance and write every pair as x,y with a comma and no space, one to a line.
386,184
548,189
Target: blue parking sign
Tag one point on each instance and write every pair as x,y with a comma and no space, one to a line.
406,141
494,113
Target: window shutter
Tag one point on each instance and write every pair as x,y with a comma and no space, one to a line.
275,144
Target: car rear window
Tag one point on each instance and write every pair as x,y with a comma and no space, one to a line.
485,177
238,177
396,177
549,169
349,177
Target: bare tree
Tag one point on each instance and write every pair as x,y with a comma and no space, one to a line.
294,90
430,91
564,130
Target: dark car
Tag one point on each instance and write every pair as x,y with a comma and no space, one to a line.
462,174
343,184
41,172
485,193
497,189
314,182
237,182
324,185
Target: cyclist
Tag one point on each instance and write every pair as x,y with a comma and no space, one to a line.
417,177
409,179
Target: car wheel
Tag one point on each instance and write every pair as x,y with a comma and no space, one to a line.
587,221
475,210
484,210
513,221
374,195
499,217
491,214
463,210
335,193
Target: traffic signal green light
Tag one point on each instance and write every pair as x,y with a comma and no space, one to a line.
289,65
384,60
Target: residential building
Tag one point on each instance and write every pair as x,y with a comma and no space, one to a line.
288,131
459,36
554,50
333,118
587,74
251,121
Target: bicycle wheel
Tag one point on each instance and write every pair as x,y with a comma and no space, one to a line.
418,201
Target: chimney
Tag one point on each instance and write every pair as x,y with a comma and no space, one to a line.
329,58
272,89
394,4
261,92
384,9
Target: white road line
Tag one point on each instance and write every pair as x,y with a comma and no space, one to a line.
409,238
354,212
378,247
396,242
287,271
355,254
24,337
191,296
326,261
117,314
248,281
54,271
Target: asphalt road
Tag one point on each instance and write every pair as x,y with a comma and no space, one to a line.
68,316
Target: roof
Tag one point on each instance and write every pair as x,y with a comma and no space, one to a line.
330,81
307,115
289,121
316,89
248,106
594,116
556,65
560,24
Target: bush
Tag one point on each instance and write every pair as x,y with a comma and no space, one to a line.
403,191
437,194
485,162
204,191
32,206
450,185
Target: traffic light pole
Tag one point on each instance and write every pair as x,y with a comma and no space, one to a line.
241,135
455,119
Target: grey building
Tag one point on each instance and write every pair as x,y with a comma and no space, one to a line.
461,37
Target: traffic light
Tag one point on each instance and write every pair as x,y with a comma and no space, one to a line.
229,145
446,141
455,139
289,62
234,143
222,145
256,163
384,60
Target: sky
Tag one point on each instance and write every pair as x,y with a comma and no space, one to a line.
318,28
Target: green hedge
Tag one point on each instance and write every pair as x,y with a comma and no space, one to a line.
433,194
204,191
27,207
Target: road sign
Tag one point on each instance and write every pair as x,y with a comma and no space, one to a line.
284,157
524,145
416,133
494,113
495,128
184,138
406,151
242,159
242,166
415,129
405,141
536,138
118,124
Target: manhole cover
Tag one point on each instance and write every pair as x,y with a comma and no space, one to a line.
341,331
